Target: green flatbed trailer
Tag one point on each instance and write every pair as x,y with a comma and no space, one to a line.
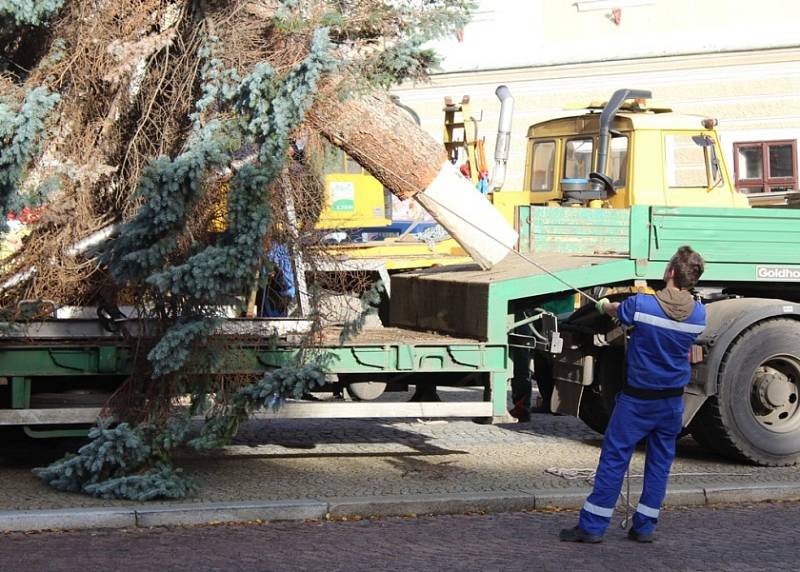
742,401
59,373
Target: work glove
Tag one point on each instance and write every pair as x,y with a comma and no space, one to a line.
600,303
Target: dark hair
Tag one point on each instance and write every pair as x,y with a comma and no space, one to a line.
687,267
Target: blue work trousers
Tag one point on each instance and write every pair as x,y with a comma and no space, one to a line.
657,420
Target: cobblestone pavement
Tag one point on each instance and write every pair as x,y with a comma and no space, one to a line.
756,537
320,459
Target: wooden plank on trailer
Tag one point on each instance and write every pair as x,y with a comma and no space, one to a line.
454,300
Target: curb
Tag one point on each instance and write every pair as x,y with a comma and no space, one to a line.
369,507
229,512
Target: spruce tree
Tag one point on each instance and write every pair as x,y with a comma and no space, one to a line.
149,114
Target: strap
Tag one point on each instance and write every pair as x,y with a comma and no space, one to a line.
651,393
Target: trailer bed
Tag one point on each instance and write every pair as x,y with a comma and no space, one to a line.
244,331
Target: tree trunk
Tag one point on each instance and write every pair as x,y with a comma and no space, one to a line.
383,139
412,164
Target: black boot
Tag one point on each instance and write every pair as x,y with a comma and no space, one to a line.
577,534
640,536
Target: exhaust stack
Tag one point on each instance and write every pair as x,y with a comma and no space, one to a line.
503,142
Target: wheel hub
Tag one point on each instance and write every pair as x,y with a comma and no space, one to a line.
774,395
773,387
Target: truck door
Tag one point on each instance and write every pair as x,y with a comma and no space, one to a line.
694,174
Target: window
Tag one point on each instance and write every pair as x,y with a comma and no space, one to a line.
618,158
578,158
544,157
353,167
765,166
686,162
336,161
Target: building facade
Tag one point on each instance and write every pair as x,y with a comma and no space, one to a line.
733,60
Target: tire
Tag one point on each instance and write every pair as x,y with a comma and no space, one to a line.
755,415
597,402
595,409
365,390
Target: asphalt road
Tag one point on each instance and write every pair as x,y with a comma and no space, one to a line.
755,537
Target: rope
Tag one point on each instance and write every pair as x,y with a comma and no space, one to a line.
624,524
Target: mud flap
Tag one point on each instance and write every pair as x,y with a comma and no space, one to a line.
566,398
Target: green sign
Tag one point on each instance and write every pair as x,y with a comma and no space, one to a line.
342,196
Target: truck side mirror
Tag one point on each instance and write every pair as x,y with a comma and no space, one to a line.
712,162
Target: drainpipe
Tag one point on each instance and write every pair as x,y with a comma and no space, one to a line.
503,138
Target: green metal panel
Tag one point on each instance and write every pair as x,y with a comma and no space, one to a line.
741,236
640,232
721,272
54,433
20,392
524,227
404,358
579,230
49,361
499,388
20,364
467,356
107,359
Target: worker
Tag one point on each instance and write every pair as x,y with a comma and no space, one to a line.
522,384
650,405
280,288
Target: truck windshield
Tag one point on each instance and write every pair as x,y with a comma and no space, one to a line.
578,158
544,154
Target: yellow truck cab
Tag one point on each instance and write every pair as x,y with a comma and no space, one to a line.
624,153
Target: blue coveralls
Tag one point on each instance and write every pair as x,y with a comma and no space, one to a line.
285,284
658,359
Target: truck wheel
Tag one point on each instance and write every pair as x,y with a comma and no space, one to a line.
598,399
366,390
595,409
755,415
